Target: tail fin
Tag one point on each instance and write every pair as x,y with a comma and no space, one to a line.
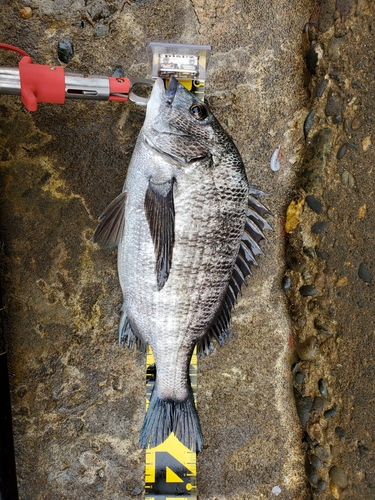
166,416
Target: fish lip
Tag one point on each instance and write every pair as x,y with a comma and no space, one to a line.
170,93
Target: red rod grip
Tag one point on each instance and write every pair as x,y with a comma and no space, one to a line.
118,85
40,83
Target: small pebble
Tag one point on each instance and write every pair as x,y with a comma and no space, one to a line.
323,388
101,30
321,253
335,75
334,104
321,88
356,85
276,490
309,122
322,453
355,124
65,51
340,432
100,488
366,143
25,12
315,461
338,477
119,72
303,406
320,227
322,485
286,283
331,412
347,178
136,491
299,377
337,119
363,273
341,152
308,290
314,204
319,403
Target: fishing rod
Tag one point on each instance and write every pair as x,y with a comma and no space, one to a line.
170,467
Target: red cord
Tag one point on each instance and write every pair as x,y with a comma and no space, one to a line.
5,46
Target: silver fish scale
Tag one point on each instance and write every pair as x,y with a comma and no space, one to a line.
207,239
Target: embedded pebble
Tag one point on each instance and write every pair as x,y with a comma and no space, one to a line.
299,377
303,405
335,74
321,88
323,388
119,72
337,119
356,84
101,30
318,403
308,290
366,143
321,253
331,412
136,491
322,485
355,124
340,432
320,226
275,164
363,273
334,105
341,152
309,122
315,461
286,283
338,477
347,179
276,490
314,204
25,12
322,453
65,50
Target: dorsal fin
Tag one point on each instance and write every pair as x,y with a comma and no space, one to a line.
110,229
159,208
249,248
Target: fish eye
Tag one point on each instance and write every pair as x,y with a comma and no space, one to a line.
199,111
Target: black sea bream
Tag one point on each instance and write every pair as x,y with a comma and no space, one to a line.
187,226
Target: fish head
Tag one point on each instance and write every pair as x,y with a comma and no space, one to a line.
179,126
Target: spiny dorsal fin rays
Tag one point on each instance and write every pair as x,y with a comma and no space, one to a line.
159,209
249,248
110,229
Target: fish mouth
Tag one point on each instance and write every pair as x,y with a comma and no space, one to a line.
170,93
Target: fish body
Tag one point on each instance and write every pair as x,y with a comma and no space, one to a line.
187,227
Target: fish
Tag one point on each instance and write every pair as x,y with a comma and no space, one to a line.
188,227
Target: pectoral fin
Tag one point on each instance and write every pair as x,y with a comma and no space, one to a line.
111,223
159,208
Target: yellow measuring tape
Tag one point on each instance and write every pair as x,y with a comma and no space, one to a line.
171,468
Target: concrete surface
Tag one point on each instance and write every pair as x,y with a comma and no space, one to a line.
78,399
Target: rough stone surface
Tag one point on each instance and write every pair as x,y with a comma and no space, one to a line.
78,399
